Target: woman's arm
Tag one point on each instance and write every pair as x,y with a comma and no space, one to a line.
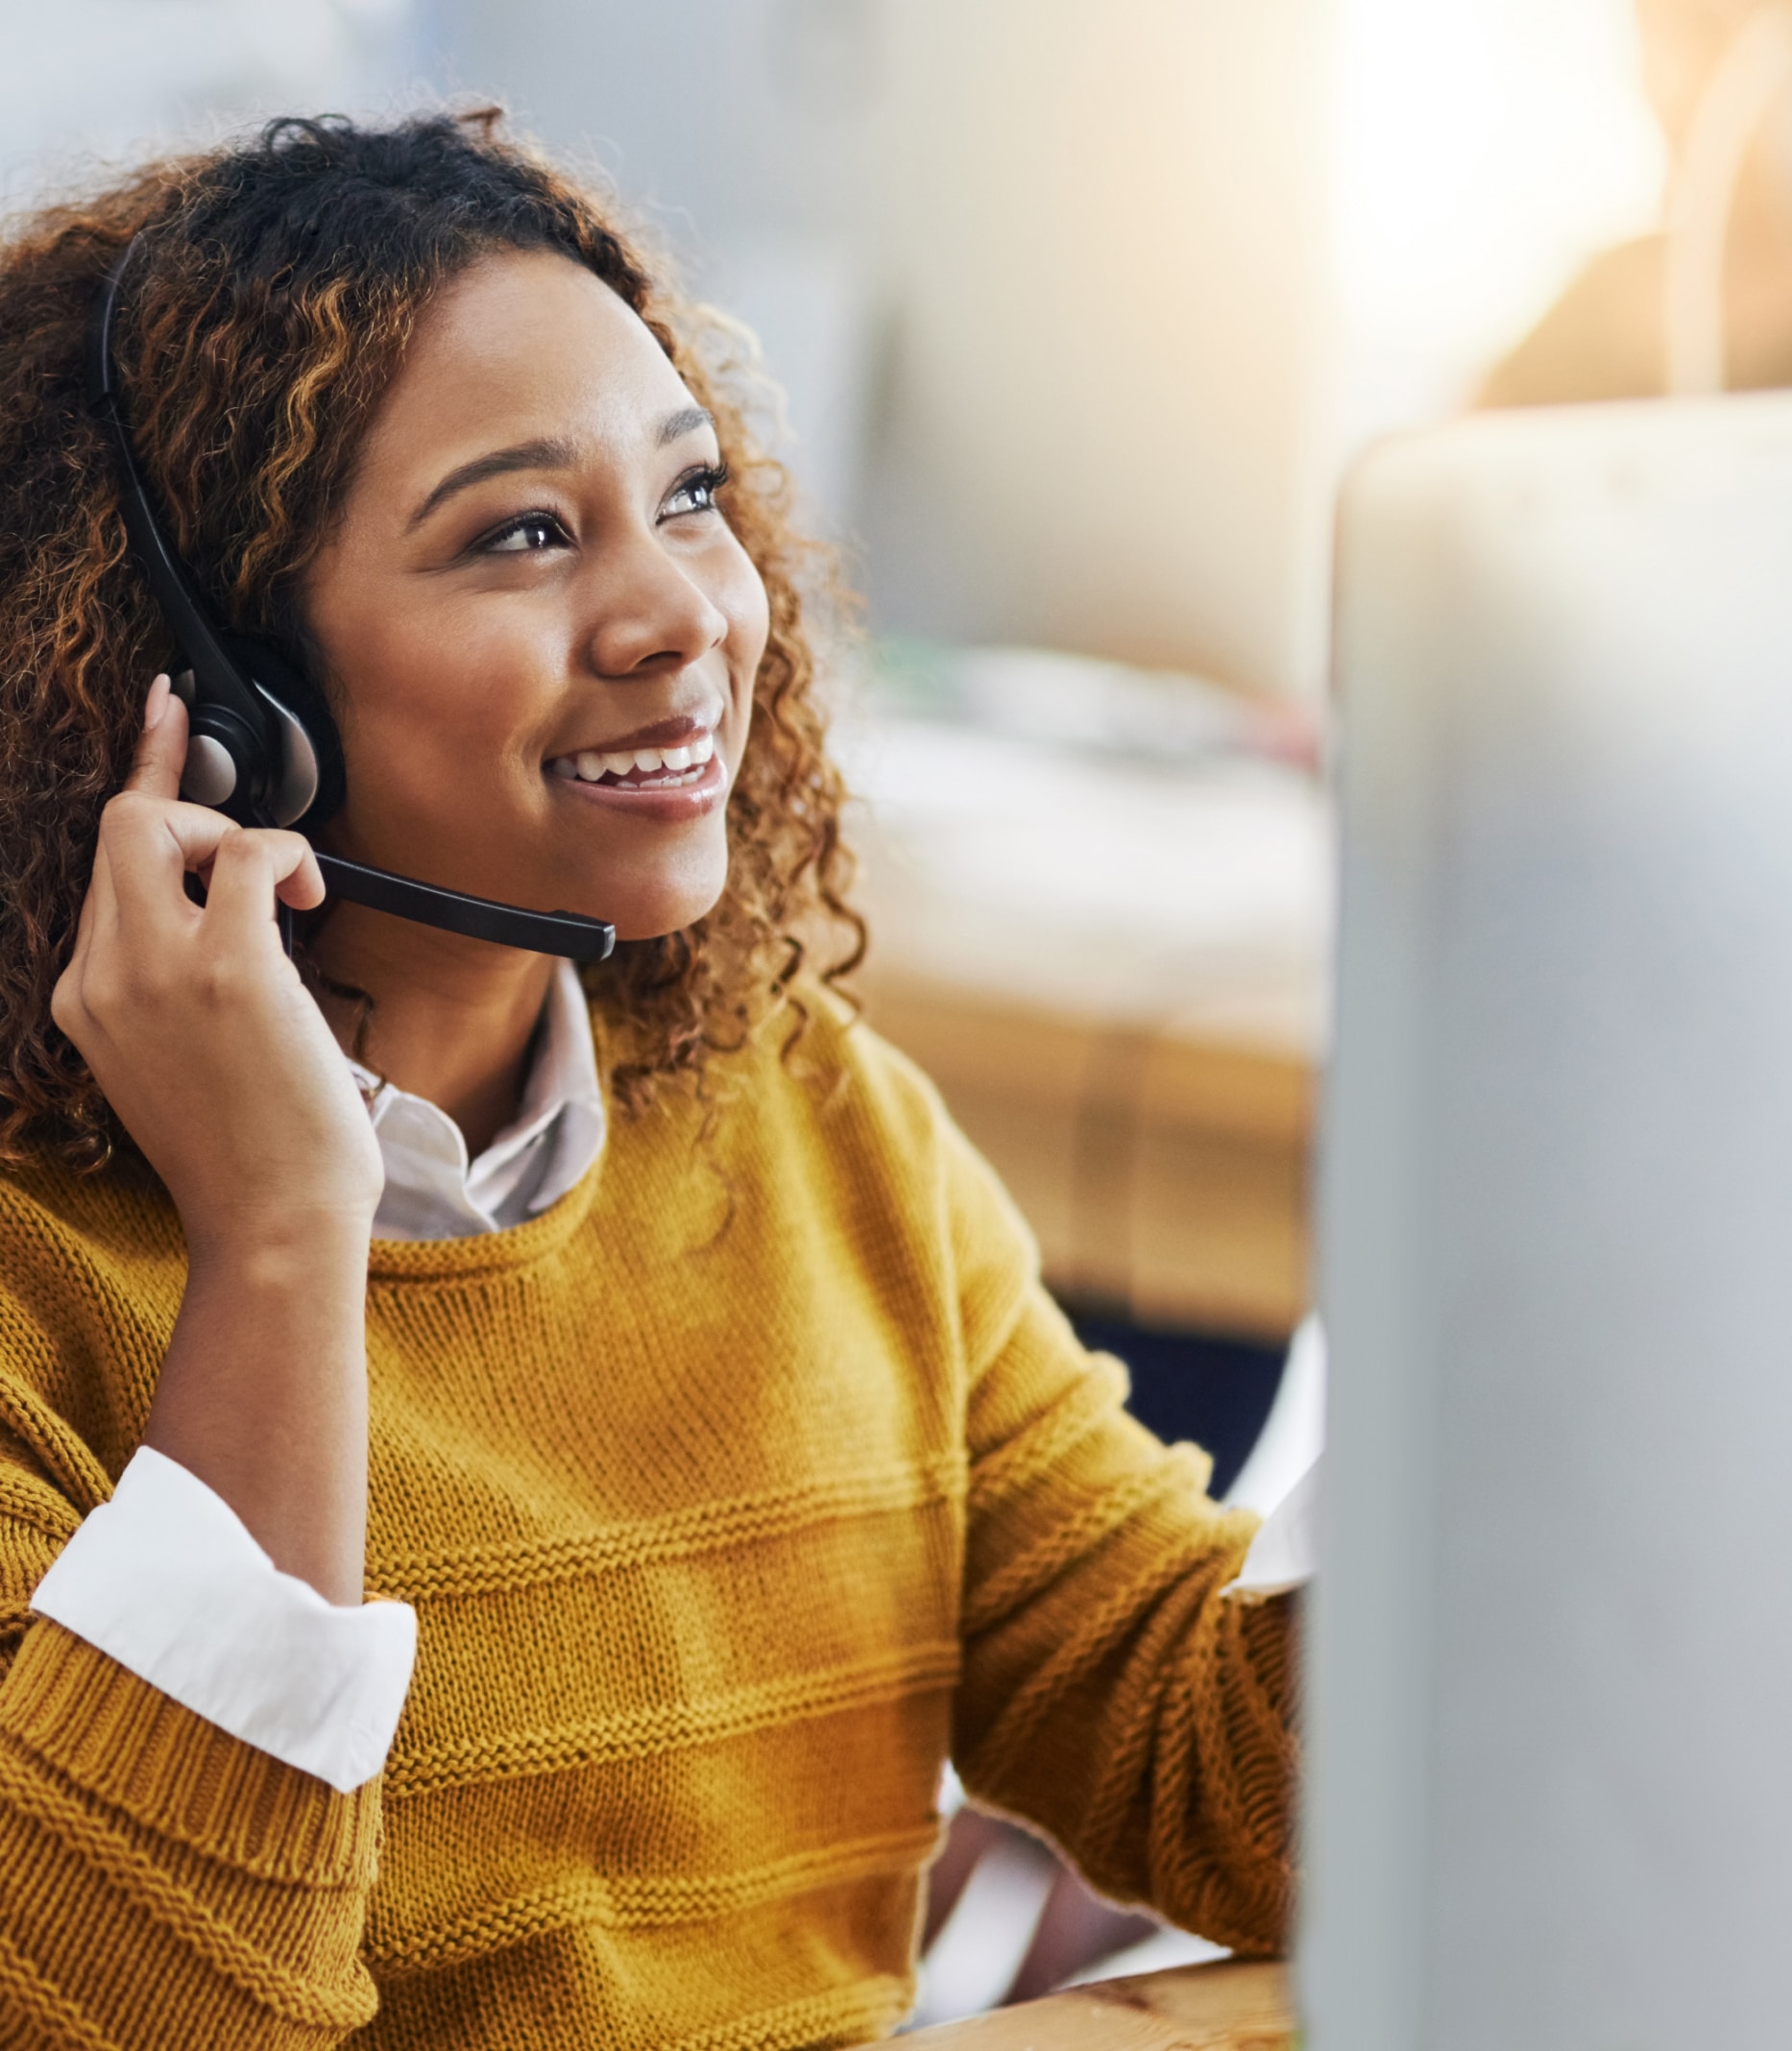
1111,1691
161,1881
163,1884
208,1047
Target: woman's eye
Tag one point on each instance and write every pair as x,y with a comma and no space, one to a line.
695,491
525,536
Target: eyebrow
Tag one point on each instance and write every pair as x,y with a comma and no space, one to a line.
682,422
549,453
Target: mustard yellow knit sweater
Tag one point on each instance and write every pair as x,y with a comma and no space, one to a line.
733,1493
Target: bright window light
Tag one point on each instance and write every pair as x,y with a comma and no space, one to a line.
1486,149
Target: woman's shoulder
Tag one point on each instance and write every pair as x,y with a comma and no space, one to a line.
820,1061
825,1083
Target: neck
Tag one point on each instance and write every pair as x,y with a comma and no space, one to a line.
447,1018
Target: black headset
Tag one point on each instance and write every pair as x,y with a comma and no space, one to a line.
263,747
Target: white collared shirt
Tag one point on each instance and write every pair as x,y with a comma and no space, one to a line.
434,1191
166,1580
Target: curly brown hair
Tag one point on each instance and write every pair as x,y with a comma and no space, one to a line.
267,309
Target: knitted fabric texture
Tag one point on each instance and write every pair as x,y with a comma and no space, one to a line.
733,1493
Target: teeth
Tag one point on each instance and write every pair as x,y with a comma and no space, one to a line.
591,766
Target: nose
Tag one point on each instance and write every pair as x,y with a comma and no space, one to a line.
650,614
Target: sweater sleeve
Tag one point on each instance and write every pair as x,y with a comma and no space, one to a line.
161,1882
168,1579
1111,1693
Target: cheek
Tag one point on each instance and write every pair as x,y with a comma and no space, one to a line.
434,682
749,627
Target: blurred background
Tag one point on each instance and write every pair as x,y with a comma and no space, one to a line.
1077,311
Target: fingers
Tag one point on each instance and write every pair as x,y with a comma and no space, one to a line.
161,746
150,841
148,849
249,871
147,846
303,885
128,858
68,1004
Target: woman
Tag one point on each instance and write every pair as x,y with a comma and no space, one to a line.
659,1347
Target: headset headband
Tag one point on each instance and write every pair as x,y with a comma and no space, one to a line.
215,674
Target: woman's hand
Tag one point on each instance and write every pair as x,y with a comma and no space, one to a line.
194,1023
208,1047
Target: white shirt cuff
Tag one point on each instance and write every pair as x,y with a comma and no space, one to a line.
1282,1554
166,1580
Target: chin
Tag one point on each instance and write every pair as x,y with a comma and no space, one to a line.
652,910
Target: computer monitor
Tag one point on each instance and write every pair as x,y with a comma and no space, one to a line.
1551,1705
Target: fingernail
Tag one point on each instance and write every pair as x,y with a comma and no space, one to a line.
158,703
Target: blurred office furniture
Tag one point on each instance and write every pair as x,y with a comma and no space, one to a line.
1107,423
1007,1921
1197,2008
1103,934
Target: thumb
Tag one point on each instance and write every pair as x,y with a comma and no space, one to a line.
162,747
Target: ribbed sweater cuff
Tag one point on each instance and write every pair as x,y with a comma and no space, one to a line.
139,1750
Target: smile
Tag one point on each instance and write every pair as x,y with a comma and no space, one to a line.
640,768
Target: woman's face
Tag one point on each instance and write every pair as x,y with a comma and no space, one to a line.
541,631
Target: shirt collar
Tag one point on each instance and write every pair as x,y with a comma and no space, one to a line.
564,1072
434,1191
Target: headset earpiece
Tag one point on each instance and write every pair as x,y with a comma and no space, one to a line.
305,783
227,766
221,753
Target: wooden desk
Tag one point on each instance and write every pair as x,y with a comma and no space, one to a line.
1198,2008
1118,978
